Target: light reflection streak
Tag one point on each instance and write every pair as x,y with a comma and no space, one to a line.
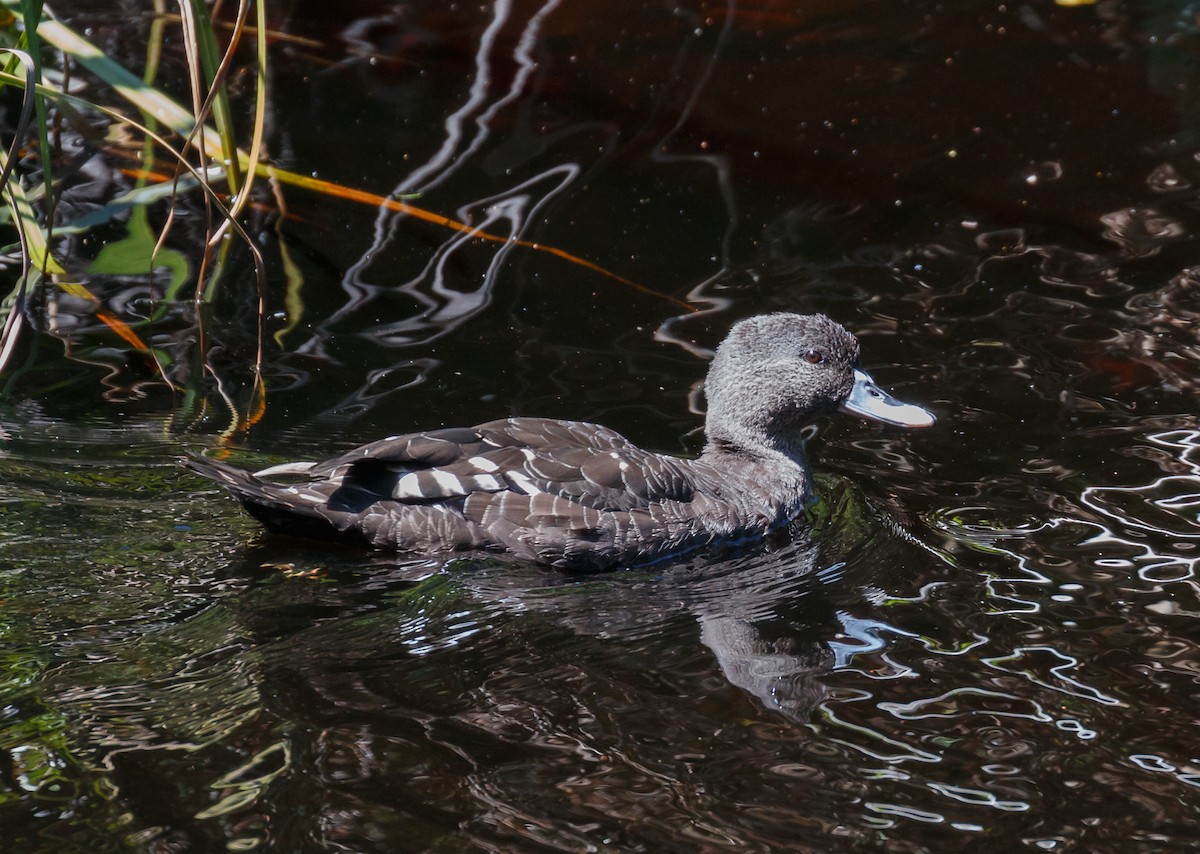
902,752
906,812
1075,727
444,162
371,392
1040,665
931,645
1176,495
986,538
915,710
523,55
360,291
724,182
868,632
1158,764
885,774
977,797
445,308
1081,690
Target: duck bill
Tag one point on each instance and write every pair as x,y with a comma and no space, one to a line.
868,400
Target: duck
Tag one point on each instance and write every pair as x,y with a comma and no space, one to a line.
579,496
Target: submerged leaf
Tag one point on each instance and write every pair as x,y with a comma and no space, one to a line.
135,255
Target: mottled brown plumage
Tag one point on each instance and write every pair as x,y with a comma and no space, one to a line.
580,496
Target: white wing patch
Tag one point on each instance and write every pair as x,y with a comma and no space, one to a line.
488,483
483,464
285,468
408,486
522,482
448,484
435,483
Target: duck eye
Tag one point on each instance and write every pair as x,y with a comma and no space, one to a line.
814,357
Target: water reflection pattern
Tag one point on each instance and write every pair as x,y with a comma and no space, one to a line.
509,213
1165,508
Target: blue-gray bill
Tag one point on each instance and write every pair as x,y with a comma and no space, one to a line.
870,401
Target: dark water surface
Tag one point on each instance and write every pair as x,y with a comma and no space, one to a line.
983,637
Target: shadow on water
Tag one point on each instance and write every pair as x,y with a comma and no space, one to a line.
984,636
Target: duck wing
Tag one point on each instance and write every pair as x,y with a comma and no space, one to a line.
564,493
579,463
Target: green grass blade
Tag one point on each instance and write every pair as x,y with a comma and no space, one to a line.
215,68
28,101
32,11
253,160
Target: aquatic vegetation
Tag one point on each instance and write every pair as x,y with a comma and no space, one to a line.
101,148
122,198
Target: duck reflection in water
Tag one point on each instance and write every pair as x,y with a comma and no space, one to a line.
775,618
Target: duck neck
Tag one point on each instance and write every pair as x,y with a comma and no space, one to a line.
776,462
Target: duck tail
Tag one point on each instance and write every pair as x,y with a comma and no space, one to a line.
290,509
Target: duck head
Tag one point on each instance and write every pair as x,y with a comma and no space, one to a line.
773,373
